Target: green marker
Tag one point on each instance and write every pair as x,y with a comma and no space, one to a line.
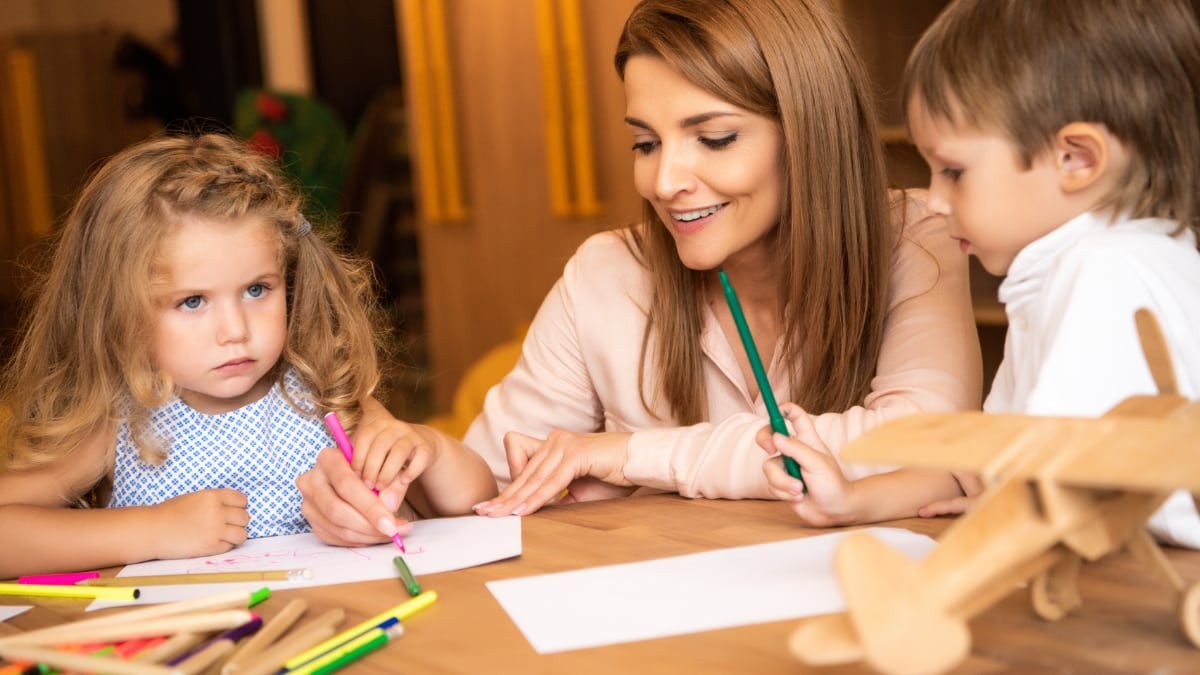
351,651
410,583
760,374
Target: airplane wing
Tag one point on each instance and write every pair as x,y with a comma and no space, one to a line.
1111,452
959,441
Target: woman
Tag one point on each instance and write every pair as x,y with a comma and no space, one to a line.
756,150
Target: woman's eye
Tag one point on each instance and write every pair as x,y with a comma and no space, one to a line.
256,290
951,174
191,302
718,143
644,147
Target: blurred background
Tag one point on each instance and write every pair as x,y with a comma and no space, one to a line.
466,147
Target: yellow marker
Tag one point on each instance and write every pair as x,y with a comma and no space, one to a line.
401,612
54,591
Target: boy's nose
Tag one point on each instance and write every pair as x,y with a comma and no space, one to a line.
936,201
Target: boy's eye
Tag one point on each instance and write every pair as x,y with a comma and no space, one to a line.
718,143
191,302
951,174
256,290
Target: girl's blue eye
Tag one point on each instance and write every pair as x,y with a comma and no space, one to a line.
719,143
192,302
256,290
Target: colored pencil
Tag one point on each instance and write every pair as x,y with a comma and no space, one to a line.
83,663
211,602
301,639
778,424
272,629
406,577
170,648
187,623
129,649
400,612
207,653
50,591
63,579
350,652
201,578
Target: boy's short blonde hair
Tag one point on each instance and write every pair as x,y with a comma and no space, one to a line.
1027,68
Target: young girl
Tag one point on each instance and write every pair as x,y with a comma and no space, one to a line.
190,331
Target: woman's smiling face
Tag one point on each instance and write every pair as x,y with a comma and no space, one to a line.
710,169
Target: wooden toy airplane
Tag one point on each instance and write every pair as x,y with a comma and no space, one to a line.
1060,490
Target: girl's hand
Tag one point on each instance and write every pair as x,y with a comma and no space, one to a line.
201,523
829,500
390,454
340,507
971,486
543,469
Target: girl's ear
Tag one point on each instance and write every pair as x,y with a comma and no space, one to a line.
1081,154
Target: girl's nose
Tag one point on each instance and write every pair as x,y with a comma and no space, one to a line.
232,327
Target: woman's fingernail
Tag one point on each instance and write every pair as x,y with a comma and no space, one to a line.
391,500
387,526
520,507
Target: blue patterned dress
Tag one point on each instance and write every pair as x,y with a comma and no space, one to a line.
258,450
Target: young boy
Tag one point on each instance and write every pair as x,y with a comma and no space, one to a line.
1063,140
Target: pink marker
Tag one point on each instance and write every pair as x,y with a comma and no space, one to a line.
343,442
65,579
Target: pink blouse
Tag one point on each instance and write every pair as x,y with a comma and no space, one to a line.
578,369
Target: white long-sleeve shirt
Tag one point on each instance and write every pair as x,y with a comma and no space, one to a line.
1072,347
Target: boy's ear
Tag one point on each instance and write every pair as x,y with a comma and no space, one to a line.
1081,154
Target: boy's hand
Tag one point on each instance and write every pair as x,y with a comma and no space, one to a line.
200,523
829,500
971,486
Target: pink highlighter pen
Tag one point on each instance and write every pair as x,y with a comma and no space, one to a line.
343,442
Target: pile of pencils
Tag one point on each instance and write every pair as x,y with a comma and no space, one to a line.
215,634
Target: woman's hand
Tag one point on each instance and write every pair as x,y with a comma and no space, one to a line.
830,497
970,484
543,470
201,523
342,509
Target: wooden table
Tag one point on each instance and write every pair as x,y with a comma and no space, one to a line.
1127,622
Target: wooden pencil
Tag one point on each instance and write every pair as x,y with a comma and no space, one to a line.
170,648
201,660
271,630
207,603
83,663
190,623
314,632
199,578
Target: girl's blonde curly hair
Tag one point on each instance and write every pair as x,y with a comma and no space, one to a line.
84,361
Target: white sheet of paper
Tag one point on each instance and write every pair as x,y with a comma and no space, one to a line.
685,594
9,611
435,545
